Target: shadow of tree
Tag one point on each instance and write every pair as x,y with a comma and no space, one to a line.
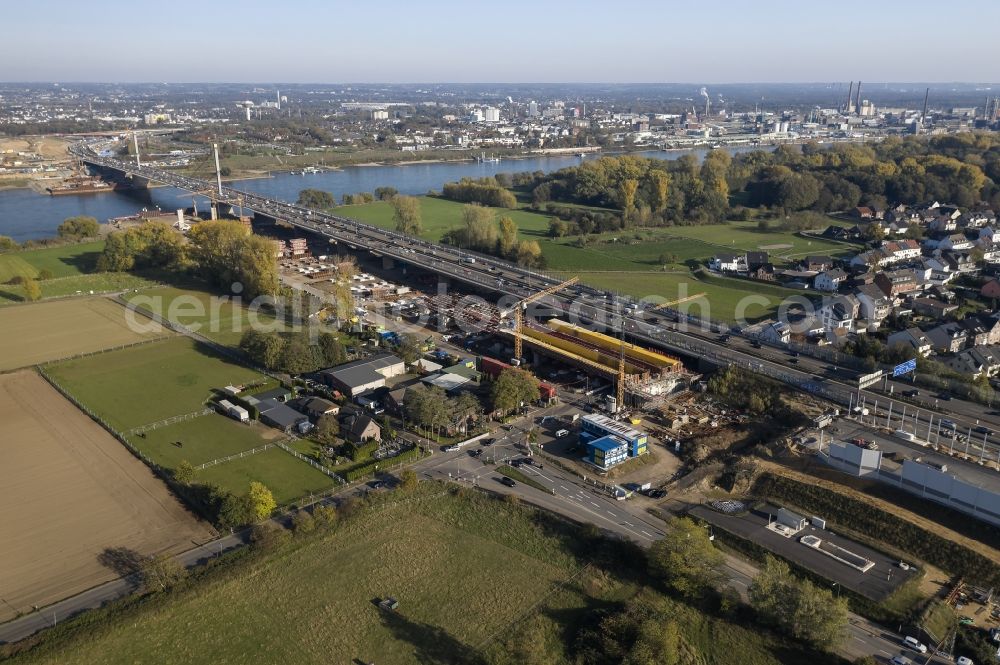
124,561
432,645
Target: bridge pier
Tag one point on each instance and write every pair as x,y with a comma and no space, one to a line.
388,263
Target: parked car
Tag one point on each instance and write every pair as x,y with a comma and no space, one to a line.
509,482
900,660
452,449
911,393
964,660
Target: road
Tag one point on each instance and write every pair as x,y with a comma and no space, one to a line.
601,309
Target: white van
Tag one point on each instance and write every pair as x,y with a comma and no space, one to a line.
904,435
561,433
914,644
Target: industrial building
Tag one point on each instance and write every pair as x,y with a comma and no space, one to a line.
360,376
595,426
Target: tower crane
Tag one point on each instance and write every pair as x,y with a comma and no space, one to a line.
521,306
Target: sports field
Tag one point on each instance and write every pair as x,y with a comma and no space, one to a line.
218,319
68,490
149,383
41,332
287,477
201,439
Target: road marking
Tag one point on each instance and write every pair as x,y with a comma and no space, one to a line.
647,533
610,513
595,504
564,487
628,524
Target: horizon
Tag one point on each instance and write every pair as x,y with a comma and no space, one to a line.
309,40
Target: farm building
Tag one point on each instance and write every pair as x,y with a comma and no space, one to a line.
360,376
281,416
234,411
317,407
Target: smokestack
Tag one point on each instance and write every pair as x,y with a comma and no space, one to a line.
850,91
923,114
277,93
857,104
135,141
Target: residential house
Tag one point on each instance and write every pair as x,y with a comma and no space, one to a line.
947,338
776,333
933,308
977,329
356,377
940,271
359,427
961,261
955,241
846,234
976,219
764,273
896,283
868,213
830,280
976,362
725,262
317,407
839,312
942,224
755,260
816,263
873,304
282,417
901,250
991,290
913,338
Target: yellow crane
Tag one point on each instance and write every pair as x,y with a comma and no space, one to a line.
521,306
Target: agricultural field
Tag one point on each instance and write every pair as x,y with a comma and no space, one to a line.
46,331
745,236
201,439
220,320
68,490
149,383
468,572
287,477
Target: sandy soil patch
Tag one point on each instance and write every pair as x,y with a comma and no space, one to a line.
68,491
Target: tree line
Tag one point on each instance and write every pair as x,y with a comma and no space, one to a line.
483,232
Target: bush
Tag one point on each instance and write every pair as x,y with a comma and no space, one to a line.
269,535
303,523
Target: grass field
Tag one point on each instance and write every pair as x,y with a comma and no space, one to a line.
719,303
220,320
469,572
287,477
68,490
63,261
42,332
438,216
149,383
201,440
628,261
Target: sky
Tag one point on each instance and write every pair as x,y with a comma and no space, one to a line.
501,41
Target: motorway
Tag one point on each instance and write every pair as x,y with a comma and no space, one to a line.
602,310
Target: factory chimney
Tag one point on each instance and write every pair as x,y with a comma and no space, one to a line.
277,94
857,103
923,114
850,91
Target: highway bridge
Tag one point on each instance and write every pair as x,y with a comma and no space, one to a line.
601,310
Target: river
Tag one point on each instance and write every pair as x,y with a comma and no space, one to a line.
26,215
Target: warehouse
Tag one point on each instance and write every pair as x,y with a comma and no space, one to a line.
360,376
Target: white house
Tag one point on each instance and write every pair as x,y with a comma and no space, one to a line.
839,312
873,304
829,280
913,338
727,263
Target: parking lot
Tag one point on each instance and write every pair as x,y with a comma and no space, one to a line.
877,584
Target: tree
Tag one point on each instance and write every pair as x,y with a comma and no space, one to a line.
263,348
184,473
331,350
303,523
235,510
513,388
508,237
327,429
299,356
268,535
529,254
626,194
385,193
7,244
226,252
659,187
685,559
32,291
316,198
45,274
325,515
804,610
160,572
406,215
408,480
261,501
81,226
557,228
408,348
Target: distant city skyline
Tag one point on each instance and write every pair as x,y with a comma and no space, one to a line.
305,41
